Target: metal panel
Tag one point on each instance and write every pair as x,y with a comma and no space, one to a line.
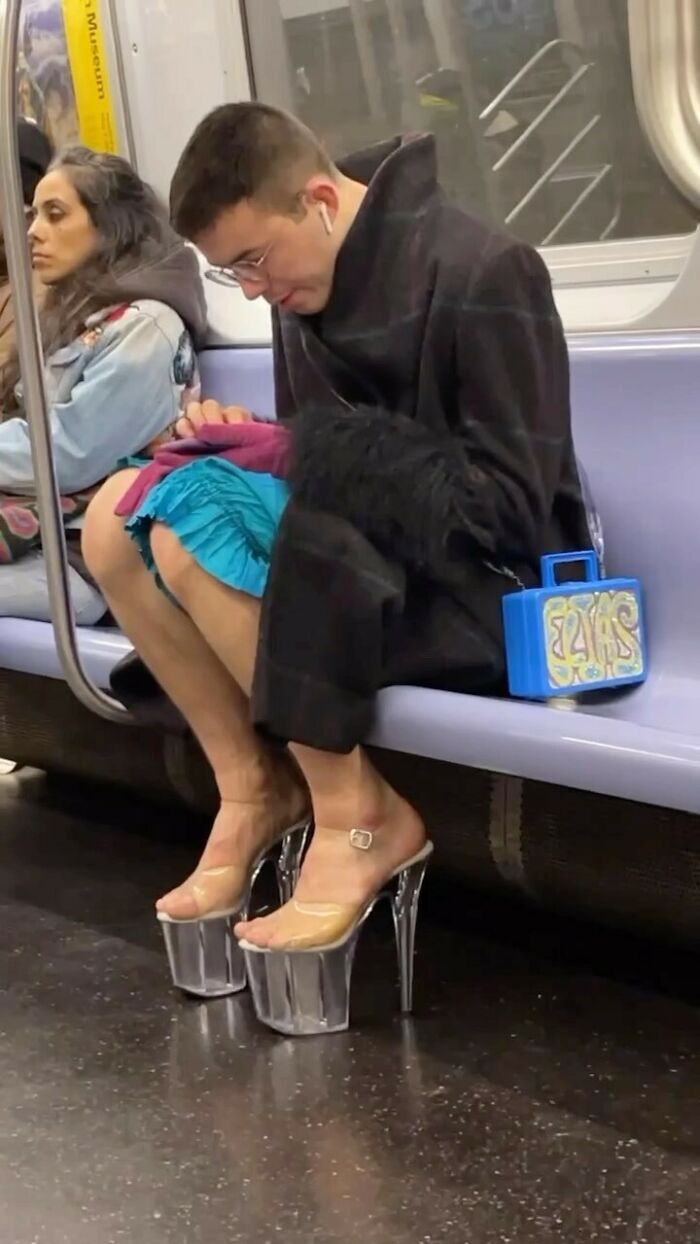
179,61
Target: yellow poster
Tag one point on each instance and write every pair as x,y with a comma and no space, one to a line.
63,79
88,62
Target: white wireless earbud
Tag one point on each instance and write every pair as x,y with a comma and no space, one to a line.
325,218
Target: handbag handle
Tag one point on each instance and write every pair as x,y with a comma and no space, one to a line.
587,558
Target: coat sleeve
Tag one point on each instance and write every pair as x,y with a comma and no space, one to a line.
125,398
487,486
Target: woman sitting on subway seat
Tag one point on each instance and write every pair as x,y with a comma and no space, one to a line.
123,306
421,374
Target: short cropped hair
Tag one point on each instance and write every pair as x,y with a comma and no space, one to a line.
243,151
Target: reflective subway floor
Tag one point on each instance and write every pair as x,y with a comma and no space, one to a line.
539,1095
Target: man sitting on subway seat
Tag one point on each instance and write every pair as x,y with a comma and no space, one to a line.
421,371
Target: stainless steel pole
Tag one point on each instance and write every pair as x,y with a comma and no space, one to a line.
32,368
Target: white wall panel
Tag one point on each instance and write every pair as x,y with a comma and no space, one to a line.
180,59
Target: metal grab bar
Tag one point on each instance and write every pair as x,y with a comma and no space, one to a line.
595,180
542,116
32,368
522,73
553,168
578,204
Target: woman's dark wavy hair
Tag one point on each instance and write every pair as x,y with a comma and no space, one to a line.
134,233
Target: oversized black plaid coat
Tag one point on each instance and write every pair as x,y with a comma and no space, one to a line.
433,462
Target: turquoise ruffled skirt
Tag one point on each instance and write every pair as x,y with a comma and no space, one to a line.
225,517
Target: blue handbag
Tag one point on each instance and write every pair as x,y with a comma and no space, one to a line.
568,637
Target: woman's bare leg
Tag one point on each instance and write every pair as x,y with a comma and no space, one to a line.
347,791
260,792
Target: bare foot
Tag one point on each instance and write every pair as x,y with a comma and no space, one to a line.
338,879
240,834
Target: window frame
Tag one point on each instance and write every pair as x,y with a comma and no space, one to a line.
616,264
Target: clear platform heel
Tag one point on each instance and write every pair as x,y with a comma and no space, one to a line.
204,956
304,990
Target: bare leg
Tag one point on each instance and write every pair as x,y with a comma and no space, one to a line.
260,793
347,791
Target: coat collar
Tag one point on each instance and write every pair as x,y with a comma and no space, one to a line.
401,176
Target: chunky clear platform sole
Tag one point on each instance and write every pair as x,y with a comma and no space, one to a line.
306,993
205,958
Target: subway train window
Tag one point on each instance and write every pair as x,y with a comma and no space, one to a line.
531,101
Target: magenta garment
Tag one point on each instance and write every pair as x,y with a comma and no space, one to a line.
261,447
